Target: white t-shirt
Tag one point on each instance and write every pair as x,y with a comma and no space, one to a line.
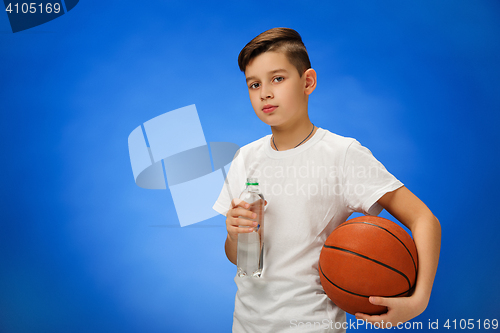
310,190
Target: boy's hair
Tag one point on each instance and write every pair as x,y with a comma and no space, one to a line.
285,40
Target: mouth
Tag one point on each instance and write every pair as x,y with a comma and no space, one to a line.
268,108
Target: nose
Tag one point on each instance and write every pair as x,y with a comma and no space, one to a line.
266,92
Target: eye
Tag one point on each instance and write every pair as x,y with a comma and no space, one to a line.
278,79
254,85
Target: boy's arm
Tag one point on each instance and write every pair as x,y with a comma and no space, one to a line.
426,230
231,247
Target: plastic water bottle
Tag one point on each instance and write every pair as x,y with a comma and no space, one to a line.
251,245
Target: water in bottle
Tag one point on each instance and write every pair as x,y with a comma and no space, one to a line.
250,245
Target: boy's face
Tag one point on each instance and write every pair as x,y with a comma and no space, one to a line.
277,93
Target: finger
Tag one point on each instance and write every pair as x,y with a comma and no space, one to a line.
235,202
240,230
383,301
377,321
239,203
361,316
242,212
241,220
244,223
245,230
367,317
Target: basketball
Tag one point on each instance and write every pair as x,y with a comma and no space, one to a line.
367,256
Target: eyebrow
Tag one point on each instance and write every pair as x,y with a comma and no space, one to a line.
271,72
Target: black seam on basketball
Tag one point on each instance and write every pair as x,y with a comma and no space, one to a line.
375,225
371,259
353,293
347,291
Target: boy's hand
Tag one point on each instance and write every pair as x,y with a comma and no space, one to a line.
400,310
234,221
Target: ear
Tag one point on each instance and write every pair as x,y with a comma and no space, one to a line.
310,78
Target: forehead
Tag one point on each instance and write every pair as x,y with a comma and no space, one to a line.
266,63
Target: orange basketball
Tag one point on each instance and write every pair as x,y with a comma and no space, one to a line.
367,256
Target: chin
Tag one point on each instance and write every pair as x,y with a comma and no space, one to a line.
270,121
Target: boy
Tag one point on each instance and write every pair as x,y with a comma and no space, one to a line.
313,180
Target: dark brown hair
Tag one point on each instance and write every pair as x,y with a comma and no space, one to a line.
284,40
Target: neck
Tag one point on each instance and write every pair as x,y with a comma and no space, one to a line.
289,137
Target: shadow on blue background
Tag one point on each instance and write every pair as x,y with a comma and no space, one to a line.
82,248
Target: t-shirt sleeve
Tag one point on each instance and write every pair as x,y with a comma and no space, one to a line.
233,185
365,180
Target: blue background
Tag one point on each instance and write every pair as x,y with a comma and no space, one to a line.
82,248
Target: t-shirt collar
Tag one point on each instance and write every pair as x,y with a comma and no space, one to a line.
317,136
